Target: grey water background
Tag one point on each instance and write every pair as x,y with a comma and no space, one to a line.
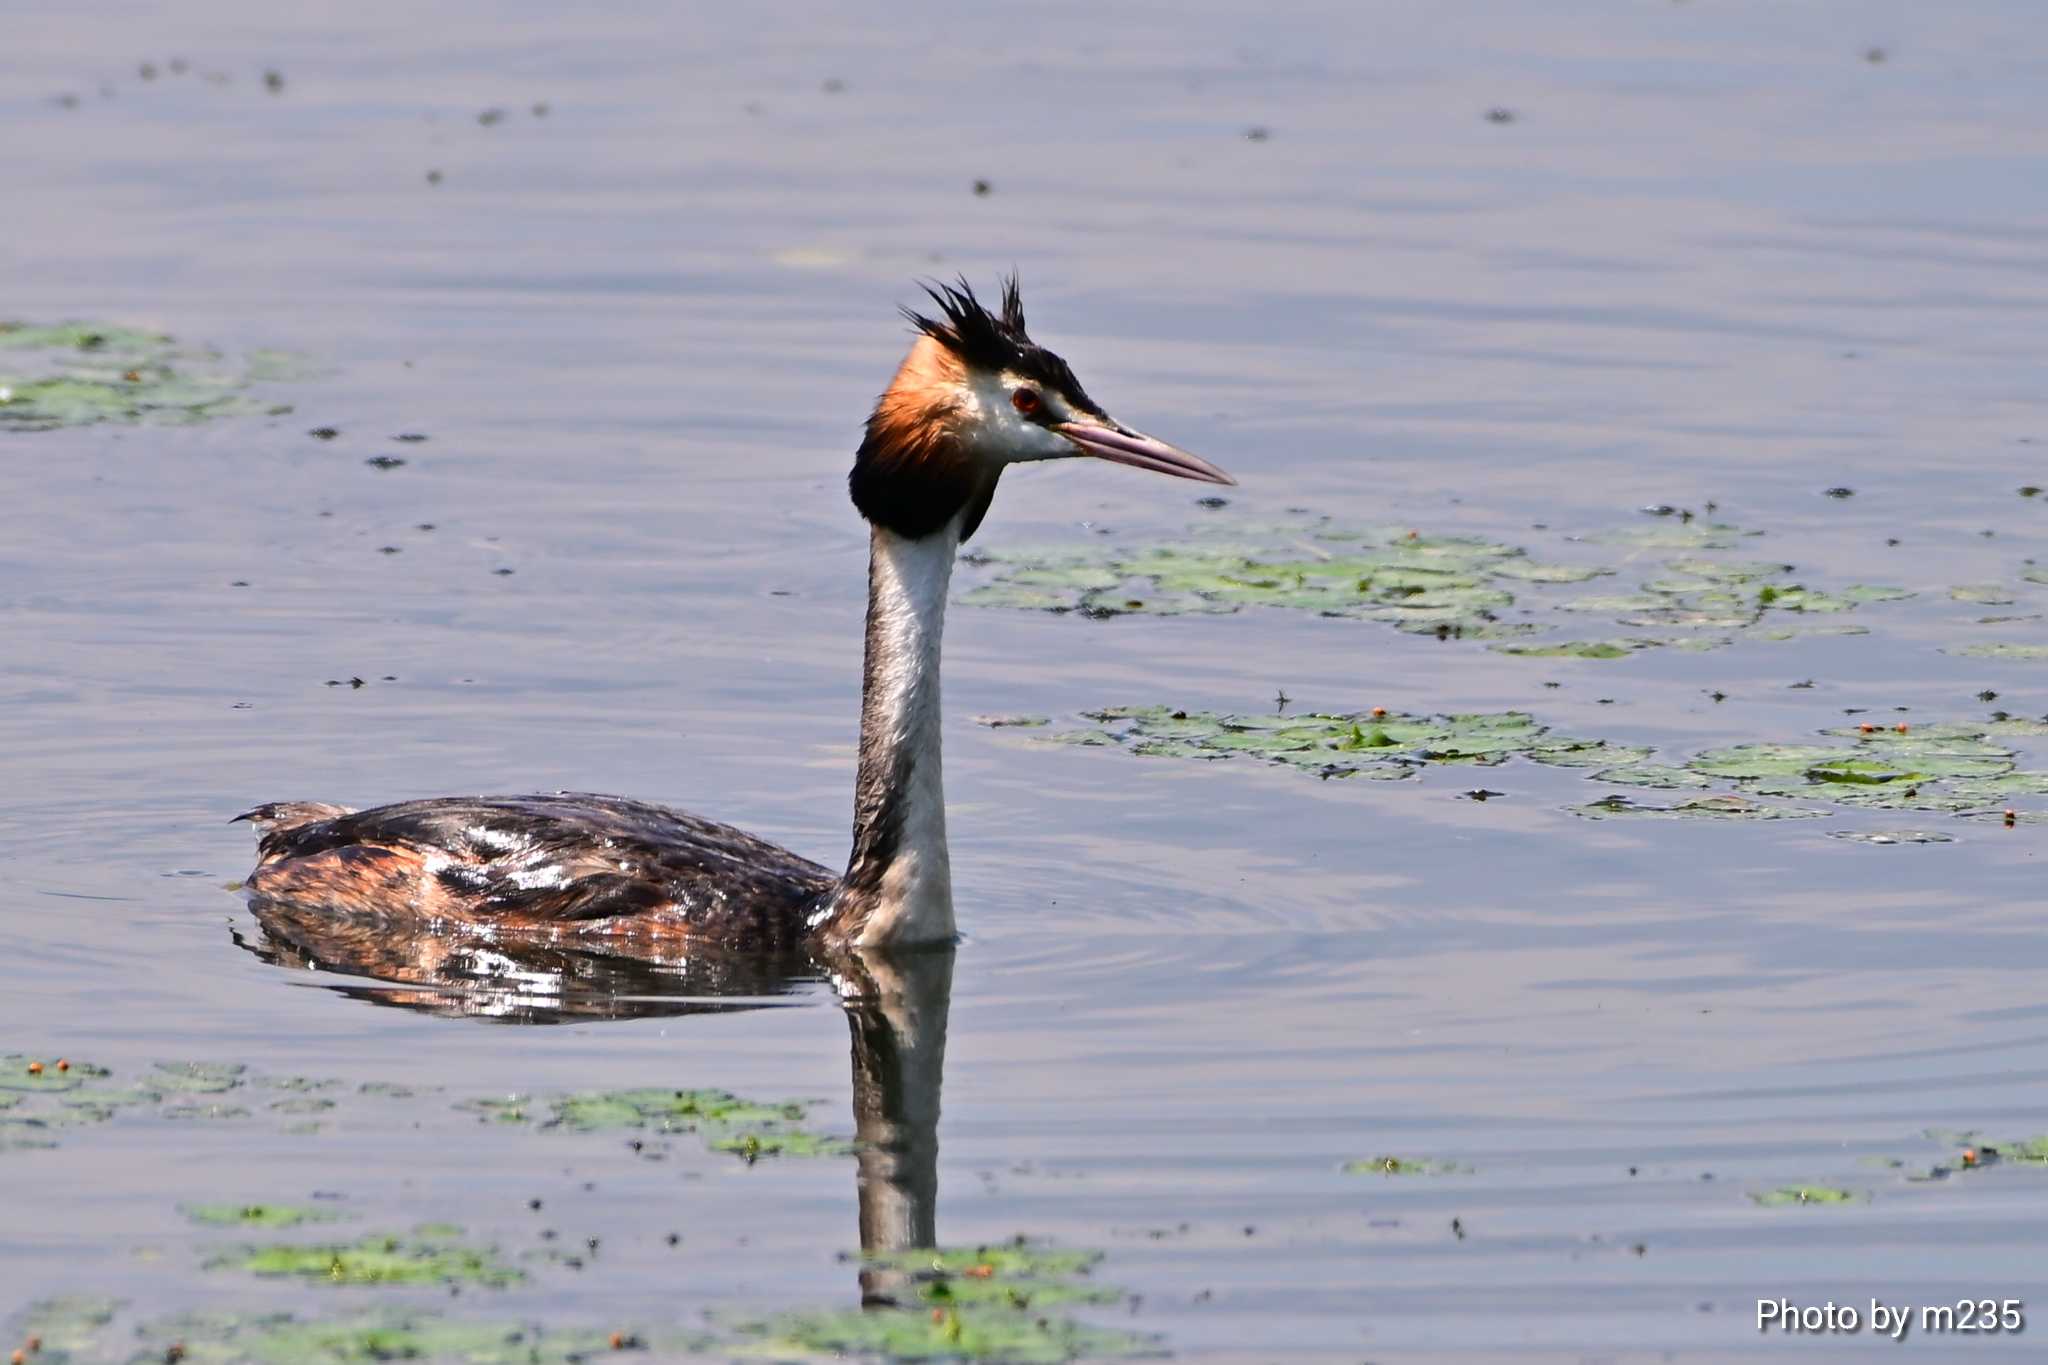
1718,253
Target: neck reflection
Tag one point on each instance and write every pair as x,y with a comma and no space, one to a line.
896,1003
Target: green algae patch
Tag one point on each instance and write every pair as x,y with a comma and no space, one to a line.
205,1113
25,1135
1655,776
1725,806
1527,571
78,1331
1019,1258
80,374
1798,598
1404,1165
1578,649
1376,744
667,1110
1833,763
1948,768
257,1215
431,1254
42,1097
997,1302
1452,587
1674,535
394,1334
1018,1275
68,1326
753,1146
300,1084
1957,769
45,1075
500,1109
2033,1151
968,1332
198,1078
1803,1196
748,1129
2023,653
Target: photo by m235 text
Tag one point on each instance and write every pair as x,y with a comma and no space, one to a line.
1897,1321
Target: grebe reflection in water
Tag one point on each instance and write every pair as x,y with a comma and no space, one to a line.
896,1004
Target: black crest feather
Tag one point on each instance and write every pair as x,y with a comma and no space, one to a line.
996,341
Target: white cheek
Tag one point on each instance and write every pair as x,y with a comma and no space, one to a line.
998,431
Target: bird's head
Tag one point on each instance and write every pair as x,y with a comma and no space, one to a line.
974,395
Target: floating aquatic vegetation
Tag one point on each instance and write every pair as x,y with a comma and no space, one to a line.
500,1109
1657,776
257,1215
1975,1154
1947,768
978,1303
35,1075
205,1111
1528,571
1788,1196
1890,836
204,1078
1930,767
2029,653
667,1110
2008,818
1018,1257
1984,594
1019,1274
1374,744
396,1334
77,374
1673,535
77,1330
969,1332
1725,806
430,1254
1405,1165
2033,1150
40,1099
726,1122
752,1145
64,1327
1579,649
1452,587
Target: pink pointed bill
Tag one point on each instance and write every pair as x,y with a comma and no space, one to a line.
1124,446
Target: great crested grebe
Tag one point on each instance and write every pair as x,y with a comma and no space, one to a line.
974,395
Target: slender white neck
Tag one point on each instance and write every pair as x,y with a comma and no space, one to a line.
898,886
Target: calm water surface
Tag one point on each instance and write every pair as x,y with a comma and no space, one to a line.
1738,253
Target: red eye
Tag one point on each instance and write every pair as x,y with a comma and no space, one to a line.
1025,401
